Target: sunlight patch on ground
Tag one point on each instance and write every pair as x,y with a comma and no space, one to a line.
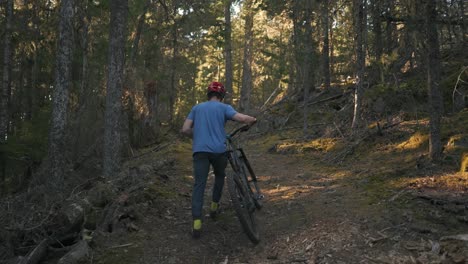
320,144
448,182
414,142
341,174
281,193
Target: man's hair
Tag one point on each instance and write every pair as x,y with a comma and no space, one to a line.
212,94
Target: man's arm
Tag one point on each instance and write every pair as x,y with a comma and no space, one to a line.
187,128
246,119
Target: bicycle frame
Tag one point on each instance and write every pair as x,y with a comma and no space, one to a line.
244,197
236,153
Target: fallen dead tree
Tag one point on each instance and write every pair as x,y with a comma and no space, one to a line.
360,138
36,224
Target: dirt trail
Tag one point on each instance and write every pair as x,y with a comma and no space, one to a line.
313,213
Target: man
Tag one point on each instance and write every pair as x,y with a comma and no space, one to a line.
205,124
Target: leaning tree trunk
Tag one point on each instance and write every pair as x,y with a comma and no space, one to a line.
61,89
113,112
246,89
6,81
359,28
228,50
433,80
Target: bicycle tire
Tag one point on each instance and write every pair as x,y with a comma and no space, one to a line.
258,203
247,219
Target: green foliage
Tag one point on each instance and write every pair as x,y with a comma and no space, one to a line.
30,141
25,148
385,98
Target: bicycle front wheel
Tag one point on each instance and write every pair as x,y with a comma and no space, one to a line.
243,204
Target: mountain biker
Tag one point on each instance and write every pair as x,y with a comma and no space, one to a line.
205,124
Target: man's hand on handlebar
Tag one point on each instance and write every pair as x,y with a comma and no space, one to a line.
249,124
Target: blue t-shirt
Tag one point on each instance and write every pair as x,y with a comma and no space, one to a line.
209,119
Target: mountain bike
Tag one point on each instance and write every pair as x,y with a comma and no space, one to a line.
242,185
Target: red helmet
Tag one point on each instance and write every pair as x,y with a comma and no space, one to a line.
217,87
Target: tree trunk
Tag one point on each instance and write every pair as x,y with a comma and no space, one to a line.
291,87
297,74
228,51
56,152
247,84
86,21
29,90
463,26
6,80
359,29
32,90
377,29
433,81
376,20
175,51
113,112
308,73
35,68
172,85
390,28
332,49
130,84
136,39
326,45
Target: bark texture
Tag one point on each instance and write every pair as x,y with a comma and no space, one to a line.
308,76
113,112
433,81
326,45
359,29
6,80
56,153
228,51
247,84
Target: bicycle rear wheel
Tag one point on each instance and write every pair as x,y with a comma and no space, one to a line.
252,188
251,179
243,204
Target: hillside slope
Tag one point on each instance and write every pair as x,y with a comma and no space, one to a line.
371,200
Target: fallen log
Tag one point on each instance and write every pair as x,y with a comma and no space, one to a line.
456,247
37,254
80,251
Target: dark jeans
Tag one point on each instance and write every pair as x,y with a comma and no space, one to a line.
201,167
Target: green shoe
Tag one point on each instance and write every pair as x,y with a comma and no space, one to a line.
214,210
196,228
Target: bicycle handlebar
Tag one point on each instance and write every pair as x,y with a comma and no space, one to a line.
240,129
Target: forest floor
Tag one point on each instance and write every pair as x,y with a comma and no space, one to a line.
380,202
